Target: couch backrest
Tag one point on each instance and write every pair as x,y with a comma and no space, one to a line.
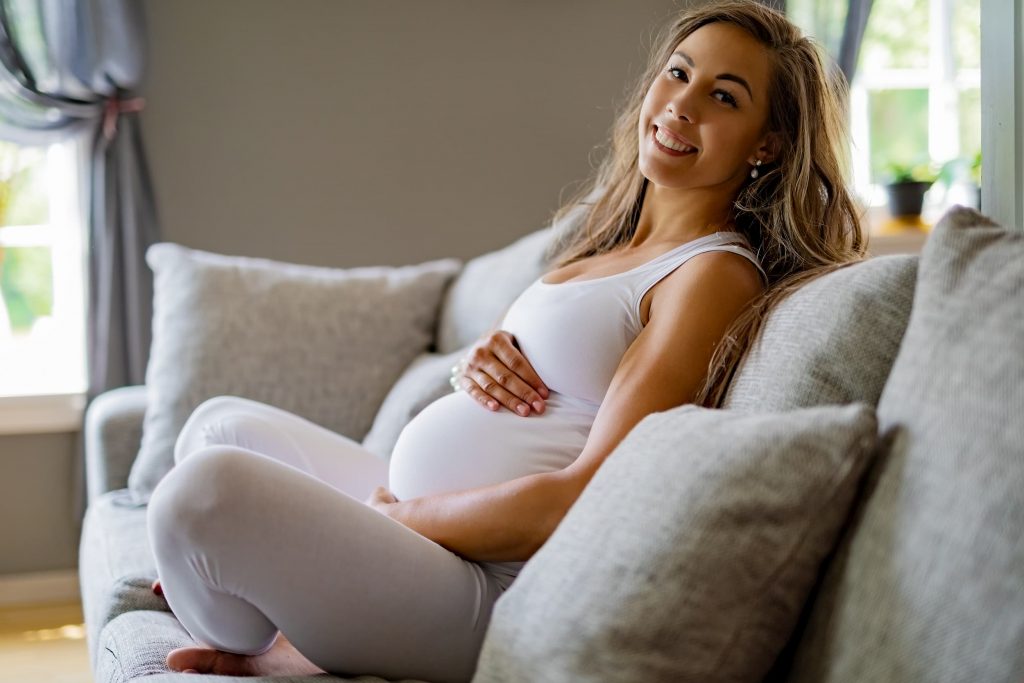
927,583
831,341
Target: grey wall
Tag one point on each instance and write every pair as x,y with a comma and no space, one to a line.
379,132
352,132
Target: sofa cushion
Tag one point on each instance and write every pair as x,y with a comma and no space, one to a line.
928,584
423,382
689,554
324,343
831,341
136,645
115,564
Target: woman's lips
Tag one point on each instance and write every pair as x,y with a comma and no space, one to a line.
667,150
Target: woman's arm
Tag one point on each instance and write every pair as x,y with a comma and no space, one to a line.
503,522
662,369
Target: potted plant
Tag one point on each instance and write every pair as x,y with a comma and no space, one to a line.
975,174
906,186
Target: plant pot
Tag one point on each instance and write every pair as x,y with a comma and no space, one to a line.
906,199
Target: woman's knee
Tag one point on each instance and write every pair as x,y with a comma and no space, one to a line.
202,491
204,427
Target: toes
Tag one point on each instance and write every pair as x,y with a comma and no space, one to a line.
197,659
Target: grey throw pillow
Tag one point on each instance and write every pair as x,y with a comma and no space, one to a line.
689,554
928,583
324,343
831,341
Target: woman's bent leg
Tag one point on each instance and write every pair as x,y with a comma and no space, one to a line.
246,546
293,440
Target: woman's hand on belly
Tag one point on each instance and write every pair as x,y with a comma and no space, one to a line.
498,374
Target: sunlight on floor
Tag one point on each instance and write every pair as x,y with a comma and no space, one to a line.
43,644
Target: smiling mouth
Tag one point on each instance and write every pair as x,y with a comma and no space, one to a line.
670,145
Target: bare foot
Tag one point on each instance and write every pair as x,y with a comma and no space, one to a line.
157,588
282,659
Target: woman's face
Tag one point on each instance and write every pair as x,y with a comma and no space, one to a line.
711,101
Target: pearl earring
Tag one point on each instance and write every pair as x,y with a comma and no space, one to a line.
753,171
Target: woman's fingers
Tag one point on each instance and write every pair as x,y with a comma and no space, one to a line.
489,391
524,382
490,379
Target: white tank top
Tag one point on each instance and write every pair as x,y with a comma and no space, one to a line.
574,334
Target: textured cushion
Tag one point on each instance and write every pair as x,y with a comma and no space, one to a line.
115,564
324,343
928,584
135,645
831,341
689,554
423,382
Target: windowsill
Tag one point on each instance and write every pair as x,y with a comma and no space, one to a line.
41,414
886,236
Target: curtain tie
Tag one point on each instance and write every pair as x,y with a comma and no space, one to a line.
115,106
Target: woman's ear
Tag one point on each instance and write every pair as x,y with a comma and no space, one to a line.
769,148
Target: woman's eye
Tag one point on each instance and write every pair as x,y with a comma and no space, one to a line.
679,74
726,97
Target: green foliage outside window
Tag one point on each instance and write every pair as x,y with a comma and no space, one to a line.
26,273
26,279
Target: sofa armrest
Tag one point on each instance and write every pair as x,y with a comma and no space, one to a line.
113,433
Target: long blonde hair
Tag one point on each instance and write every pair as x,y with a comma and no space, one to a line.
798,214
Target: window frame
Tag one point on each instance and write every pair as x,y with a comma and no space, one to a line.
944,85
58,408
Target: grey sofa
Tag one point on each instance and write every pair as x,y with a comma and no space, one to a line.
926,578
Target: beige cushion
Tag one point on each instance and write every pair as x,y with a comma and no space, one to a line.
928,585
324,343
831,341
689,554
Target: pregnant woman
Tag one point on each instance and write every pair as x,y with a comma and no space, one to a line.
723,190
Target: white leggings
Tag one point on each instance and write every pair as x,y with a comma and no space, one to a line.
261,525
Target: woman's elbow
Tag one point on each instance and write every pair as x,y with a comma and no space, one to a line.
562,490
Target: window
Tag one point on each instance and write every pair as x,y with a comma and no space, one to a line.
916,96
915,99
42,271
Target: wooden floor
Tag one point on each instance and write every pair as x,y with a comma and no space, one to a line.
44,644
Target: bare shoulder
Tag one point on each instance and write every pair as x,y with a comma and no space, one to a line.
713,279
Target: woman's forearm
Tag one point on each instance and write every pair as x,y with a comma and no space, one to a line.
504,522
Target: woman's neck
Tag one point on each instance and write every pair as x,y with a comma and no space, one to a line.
677,216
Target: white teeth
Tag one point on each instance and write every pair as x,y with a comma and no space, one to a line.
672,144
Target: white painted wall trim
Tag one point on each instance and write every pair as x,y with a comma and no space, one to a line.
1002,111
39,588
40,414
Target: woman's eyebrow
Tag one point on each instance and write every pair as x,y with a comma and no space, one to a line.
724,77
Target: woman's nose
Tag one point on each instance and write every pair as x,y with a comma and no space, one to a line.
682,105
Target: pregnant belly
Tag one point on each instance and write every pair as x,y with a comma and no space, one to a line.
456,443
